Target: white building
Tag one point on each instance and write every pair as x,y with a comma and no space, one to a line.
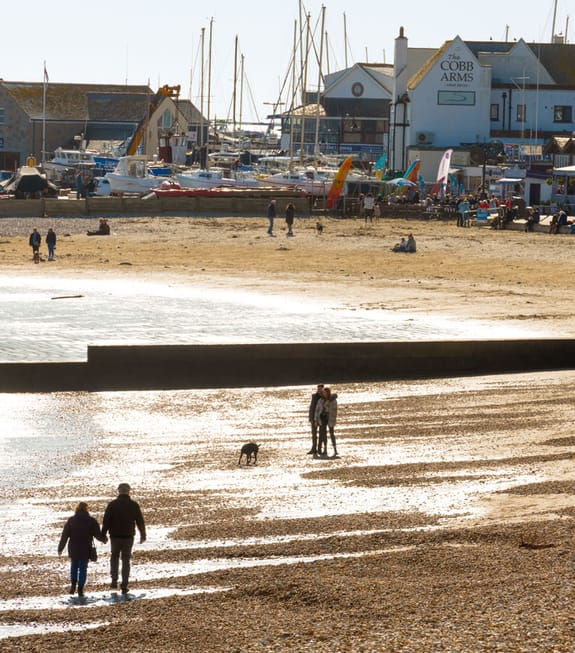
480,96
476,92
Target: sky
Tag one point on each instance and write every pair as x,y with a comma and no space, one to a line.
147,42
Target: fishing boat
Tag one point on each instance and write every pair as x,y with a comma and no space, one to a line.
65,164
133,175
70,159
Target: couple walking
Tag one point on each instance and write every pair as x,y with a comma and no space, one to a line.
121,518
35,240
322,416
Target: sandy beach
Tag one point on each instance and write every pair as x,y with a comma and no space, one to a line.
491,572
467,272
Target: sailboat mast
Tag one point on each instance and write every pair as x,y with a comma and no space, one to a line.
209,85
554,18
303,88
201,140
293,90
345,38
241,90
235,85
319,78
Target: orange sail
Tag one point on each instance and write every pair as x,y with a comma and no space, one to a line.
338,182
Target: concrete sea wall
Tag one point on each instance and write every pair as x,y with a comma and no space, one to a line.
252,365
230,205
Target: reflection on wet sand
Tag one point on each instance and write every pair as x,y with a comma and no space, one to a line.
418,460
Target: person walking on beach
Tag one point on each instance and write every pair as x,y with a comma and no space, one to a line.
78,533
35,241
290,213
271,216
326,417
316,396
121,517
51,243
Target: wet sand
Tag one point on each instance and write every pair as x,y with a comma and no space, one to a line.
491,572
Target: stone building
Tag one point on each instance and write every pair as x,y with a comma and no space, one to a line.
35,119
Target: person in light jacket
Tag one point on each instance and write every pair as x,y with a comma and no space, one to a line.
326,418
78,533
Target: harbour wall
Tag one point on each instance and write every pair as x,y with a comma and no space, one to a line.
121,206
240,205
164,367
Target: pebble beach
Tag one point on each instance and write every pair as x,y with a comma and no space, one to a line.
445,524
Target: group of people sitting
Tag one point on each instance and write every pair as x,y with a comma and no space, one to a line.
559,220
103,229
405,245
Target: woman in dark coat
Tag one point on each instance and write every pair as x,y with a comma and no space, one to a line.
290,213
78,533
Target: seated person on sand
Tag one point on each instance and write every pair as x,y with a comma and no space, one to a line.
532,218
406,245
557,221
103,229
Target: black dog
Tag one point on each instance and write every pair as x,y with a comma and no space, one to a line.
249,450
319,227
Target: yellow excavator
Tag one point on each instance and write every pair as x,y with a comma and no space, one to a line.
164,91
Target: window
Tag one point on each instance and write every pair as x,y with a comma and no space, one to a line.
562,113
521,113
1,116
494,112
166,120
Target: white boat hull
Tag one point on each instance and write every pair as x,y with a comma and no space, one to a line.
127,184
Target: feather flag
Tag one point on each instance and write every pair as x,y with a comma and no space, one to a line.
379,167
46,78
413,171
338,182
442,172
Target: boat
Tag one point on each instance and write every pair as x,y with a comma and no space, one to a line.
65,164
70,159
170,189
132,175
308,179
215,178
29,183
203,178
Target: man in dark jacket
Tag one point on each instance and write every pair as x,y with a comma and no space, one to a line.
34,241
120,520
314,399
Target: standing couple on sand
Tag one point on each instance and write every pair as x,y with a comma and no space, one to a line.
272,213
322,416
121,518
